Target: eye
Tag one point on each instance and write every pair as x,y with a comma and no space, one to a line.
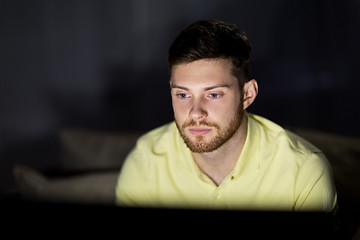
214,95
182,95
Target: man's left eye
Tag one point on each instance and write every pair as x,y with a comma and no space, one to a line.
214,95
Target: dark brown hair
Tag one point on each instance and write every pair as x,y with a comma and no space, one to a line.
211,39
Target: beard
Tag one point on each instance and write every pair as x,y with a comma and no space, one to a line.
222,135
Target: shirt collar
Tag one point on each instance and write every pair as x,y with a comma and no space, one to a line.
249,159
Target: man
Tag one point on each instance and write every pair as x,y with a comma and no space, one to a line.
215,155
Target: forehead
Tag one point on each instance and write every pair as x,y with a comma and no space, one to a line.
204,72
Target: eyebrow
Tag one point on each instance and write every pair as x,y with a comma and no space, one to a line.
206,89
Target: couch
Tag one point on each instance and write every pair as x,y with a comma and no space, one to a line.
91,161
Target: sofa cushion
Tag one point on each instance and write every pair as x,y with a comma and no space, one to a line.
84,150
90,188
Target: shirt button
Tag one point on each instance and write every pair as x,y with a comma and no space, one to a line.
217,195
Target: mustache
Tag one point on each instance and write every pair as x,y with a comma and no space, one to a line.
202,123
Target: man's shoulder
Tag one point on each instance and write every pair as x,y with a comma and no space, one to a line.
158,137
149,149
281,138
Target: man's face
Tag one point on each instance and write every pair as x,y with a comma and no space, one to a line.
207,103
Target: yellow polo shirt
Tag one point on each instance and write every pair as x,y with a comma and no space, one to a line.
276,170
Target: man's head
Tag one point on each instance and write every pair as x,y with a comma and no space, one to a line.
209,65
210,39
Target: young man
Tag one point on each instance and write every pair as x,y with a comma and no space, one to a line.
215,155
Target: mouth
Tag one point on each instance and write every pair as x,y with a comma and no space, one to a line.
199,131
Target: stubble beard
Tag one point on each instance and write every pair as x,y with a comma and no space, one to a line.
221,137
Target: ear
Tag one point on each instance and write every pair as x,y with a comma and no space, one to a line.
250,92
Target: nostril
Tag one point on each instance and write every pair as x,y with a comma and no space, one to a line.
197,113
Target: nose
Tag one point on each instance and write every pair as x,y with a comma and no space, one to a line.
197,111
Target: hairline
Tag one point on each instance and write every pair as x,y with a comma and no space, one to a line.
241,82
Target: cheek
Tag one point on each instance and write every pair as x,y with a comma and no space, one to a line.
225,111
180,110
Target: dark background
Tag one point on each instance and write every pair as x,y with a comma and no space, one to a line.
101,65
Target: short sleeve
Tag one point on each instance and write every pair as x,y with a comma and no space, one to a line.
315,189
131,188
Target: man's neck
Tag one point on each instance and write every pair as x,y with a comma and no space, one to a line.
219,163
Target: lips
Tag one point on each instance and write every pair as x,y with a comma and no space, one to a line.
198,131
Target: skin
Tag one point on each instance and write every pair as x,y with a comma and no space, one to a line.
206,100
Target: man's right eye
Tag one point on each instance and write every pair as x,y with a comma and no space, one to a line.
182,95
